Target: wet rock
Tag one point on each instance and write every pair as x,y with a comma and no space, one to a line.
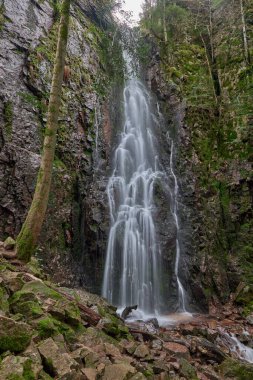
127,311
177,350
207,350
118,371
14,336
154,322
9,244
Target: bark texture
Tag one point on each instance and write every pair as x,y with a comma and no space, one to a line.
28,237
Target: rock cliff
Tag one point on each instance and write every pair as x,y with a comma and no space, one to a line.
75,231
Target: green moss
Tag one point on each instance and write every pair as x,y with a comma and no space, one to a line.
26,304
47,327
15,377
236,370
27,370
25,244
14,343
4,304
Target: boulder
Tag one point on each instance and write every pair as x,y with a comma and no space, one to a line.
14,336
112,351
26,304
176,349
118,371
207,350
90,373
142,351
65,311
234,369
159,367
9,244
57,363
12,366
12,280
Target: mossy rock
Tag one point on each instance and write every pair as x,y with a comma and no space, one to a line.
26,304
9,243
187,370
66,311
14,336
233,369
49,326
114,327
4,304
41,290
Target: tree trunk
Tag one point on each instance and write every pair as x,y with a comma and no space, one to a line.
29,234
244,32
164,23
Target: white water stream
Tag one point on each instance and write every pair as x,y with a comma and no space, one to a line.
181,291
243,352
133,270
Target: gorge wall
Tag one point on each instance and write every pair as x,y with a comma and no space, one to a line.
77,218
203,79
203,83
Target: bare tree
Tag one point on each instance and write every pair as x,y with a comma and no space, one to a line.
28,236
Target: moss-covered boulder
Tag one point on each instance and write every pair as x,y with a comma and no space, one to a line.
9,243
233,369
26,304
65,311
40,289
14,336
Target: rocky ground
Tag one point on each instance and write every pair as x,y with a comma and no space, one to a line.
49,332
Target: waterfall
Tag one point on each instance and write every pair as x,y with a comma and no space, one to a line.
133,267
181,291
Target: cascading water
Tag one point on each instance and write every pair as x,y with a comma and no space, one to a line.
133,262
181,291
133,265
